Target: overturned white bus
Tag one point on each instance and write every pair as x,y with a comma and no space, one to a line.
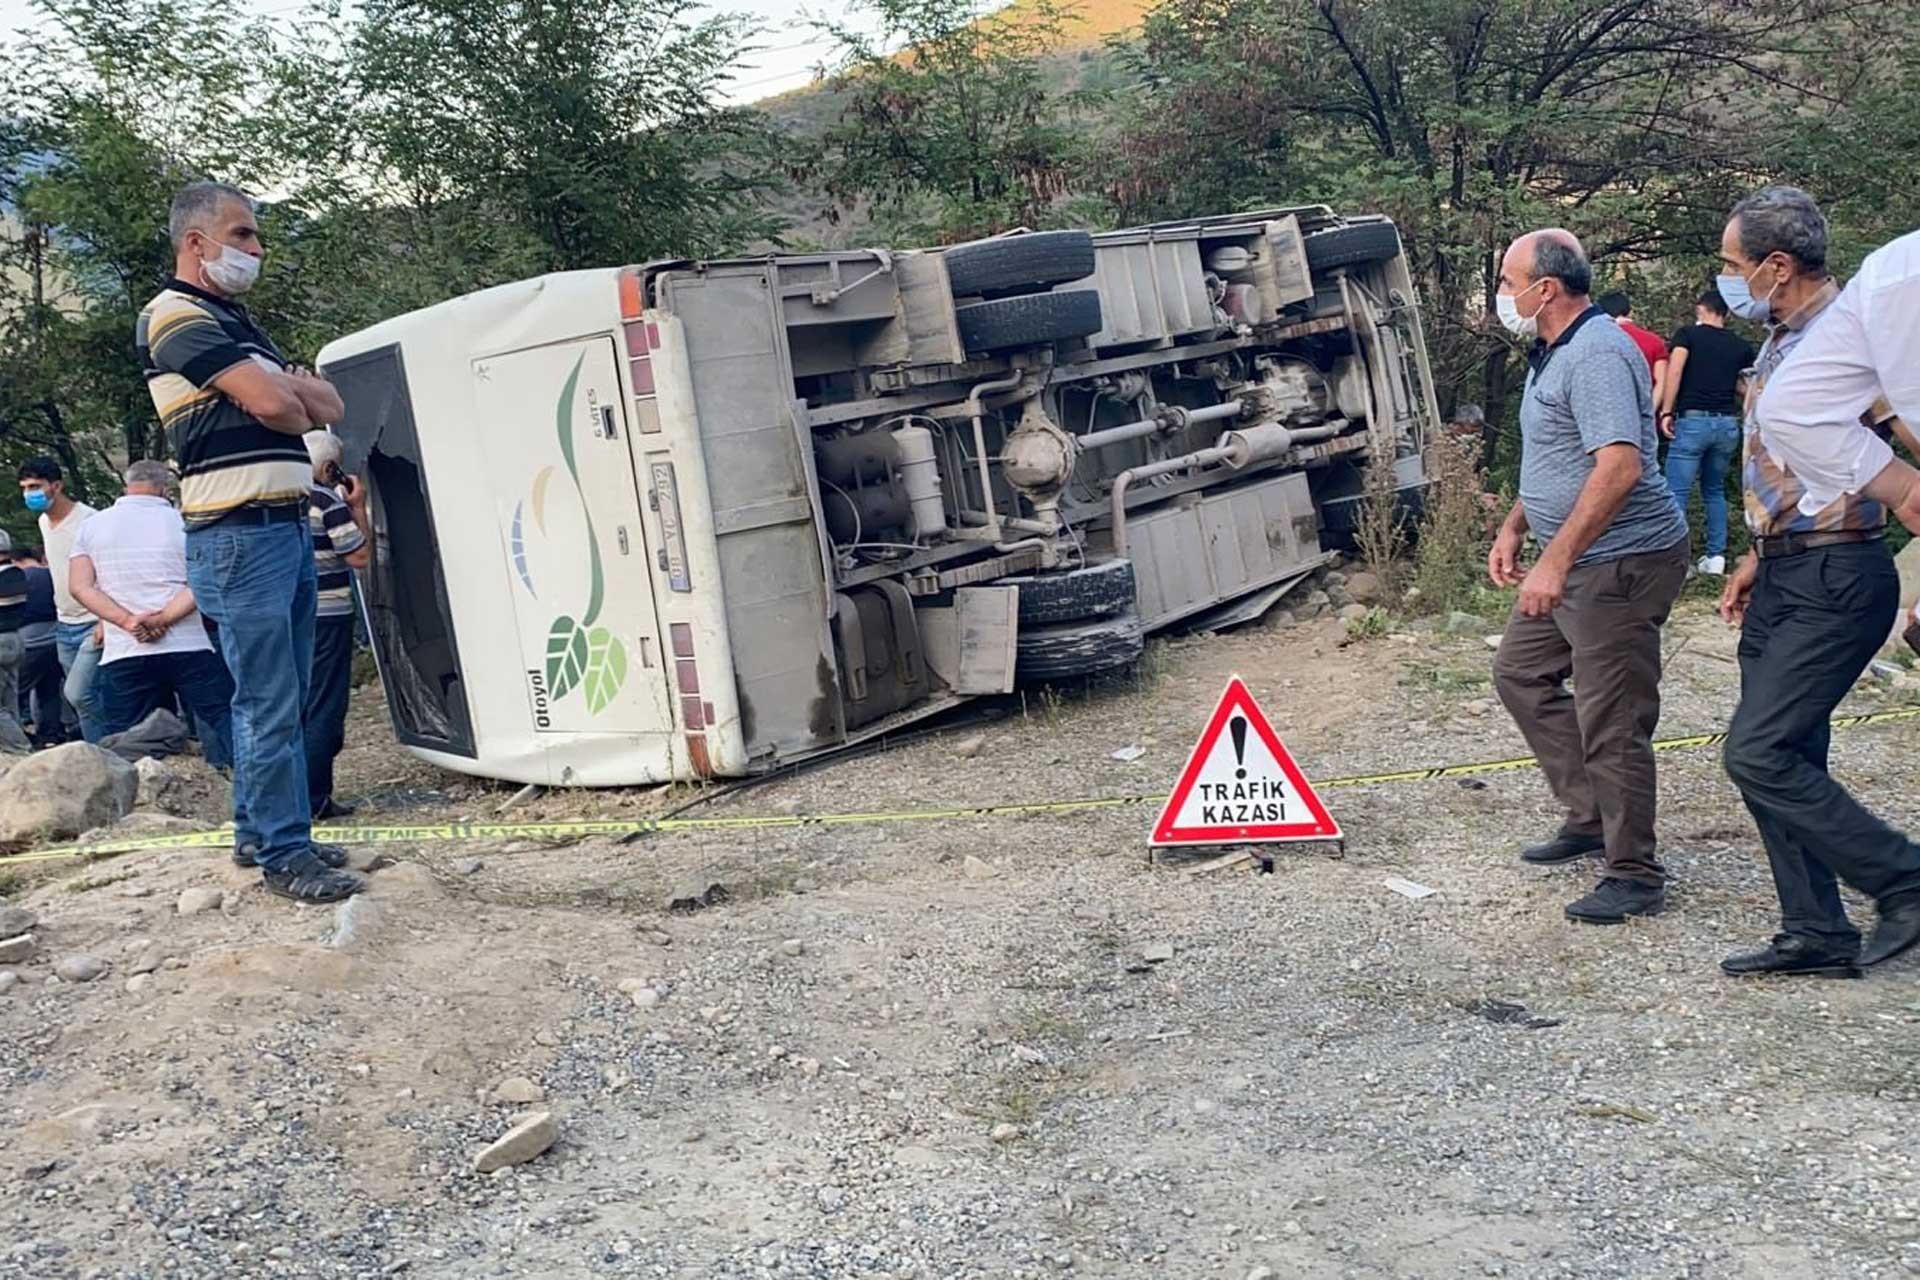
705,518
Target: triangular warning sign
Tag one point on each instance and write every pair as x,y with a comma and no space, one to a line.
1240,786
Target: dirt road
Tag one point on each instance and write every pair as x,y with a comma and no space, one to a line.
874,1058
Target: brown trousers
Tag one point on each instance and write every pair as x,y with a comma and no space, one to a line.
1595,742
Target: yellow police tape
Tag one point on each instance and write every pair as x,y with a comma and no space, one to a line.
629,826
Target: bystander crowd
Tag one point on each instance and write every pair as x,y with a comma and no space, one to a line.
13,608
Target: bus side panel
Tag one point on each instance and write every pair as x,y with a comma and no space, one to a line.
771,575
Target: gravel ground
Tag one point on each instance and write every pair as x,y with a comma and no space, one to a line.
875,1058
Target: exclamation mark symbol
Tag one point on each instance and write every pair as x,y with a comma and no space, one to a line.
1238,728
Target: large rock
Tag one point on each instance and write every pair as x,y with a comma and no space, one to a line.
59,793
527,1139
15,921
1364,588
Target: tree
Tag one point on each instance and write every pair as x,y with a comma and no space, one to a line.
1630,121
553,134
952,125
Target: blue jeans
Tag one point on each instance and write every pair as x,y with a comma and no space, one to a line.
255,581
134,688
326,717
79,658
1703,448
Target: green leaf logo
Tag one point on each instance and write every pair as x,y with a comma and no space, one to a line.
567,657
606,669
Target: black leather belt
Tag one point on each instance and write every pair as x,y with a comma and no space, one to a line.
1792,544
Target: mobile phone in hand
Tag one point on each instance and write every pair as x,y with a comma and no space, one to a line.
335,476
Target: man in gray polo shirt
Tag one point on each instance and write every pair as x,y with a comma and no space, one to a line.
1613,556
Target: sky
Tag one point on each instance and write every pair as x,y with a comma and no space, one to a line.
790,49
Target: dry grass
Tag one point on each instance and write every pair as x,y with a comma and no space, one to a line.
1449,564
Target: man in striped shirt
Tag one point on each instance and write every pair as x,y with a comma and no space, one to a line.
340,546
234,411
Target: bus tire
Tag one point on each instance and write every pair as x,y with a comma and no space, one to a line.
1352,245
1095,591
1031,320
1078,648
1018,264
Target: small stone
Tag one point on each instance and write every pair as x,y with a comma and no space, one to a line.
1261,1273
808,1066
1004,1132
1478,707
138,983
832,1199
469,866
696,892
970,746
977,869
793,947
1282,618
1364,587
656,938
1338,597
1205,1106
146,963
137,890
546,1039
174,962
8,980
79,968
526,1140
627,986
16,920
1461,624
806,884
1353,612
15,950
1333,578
200,898
519,1091
1493,642
1317,601
645,998
1157,952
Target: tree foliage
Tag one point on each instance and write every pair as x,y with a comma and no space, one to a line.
954,124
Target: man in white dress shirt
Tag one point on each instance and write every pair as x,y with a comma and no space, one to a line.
1820,594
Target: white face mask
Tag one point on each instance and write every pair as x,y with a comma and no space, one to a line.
1508,307
233,272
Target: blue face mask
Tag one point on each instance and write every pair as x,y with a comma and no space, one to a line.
38,500
1738,292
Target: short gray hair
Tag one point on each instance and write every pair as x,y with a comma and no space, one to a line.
1782,219
152,473
196,204
1468,412
1563,260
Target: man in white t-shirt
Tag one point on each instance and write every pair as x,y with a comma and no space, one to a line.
129,566
76,632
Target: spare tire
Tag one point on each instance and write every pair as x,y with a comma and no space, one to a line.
1352,244
1018,264
1092,592
1078,649
1034,319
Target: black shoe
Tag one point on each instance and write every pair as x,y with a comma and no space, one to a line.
1567,846
1790,954
330,809
1899,928
1613,900
309,880
247,855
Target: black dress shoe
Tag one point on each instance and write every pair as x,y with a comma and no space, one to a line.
1567,846
1899,928
332,855
1614,900
330,809
1789,954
